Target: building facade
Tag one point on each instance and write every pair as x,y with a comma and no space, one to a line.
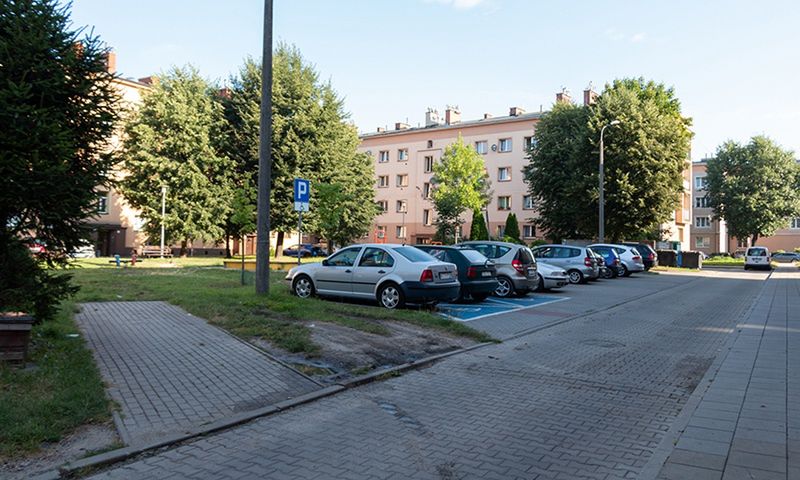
711,236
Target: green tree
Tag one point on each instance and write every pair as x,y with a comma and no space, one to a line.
478,230
58,111
341,217
645,156
459,184
511,232
173,141
755,188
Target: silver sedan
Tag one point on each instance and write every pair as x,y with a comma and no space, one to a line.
389,273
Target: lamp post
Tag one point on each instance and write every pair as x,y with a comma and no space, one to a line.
602,227
264,158
163,215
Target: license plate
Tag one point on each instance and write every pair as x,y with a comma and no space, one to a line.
486,274
445,276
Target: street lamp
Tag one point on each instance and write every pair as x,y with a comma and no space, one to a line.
602,232
163,215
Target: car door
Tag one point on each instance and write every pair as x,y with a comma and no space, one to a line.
374,264
336,274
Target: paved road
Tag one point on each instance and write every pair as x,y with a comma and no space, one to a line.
589,398
169,370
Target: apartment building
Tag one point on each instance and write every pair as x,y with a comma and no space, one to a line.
404,159
711,236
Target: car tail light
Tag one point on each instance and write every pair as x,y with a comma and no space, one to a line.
637,258
518,266
616,261
651,256
427,276
472,272
587,261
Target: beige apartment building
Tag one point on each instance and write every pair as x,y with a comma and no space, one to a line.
711,236
404,159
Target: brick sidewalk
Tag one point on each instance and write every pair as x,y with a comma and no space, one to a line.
169,370
747,424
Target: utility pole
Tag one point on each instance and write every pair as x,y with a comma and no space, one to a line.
602,227
264,157
163,215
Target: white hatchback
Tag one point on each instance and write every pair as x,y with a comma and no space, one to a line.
757,257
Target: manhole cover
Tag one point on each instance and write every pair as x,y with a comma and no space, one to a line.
596,342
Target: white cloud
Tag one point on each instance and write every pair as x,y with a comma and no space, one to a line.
638,37
616,35
459,4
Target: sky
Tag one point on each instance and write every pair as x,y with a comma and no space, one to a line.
734,65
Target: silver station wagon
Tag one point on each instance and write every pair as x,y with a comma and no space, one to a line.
389,273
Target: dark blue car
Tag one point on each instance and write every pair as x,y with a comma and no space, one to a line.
613,262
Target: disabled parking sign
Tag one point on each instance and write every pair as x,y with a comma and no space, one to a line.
302,194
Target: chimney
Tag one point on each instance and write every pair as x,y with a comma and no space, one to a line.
151,80
381,129
589,96
111,61
452,115
515,111
487,116
432,118
400,126
563,96
224,93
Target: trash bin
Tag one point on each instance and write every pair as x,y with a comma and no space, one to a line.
679,259
691,260
667,258
15,334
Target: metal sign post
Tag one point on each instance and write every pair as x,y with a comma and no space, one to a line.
302,194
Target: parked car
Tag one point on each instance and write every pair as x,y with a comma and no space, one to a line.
649,256
389,273
306,250
612,260
84,251
578,262
37,248
550,277
516,267
476,273
630,260
786,257
757,257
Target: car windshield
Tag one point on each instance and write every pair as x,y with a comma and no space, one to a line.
757,252
491,251
525,256
414,254
473,256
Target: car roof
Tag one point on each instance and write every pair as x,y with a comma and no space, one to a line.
491,242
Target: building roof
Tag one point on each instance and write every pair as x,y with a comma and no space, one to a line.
464,124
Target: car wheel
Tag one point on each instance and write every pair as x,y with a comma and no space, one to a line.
575,276
504,287
303,287
540,283
390,296
608,273
625,271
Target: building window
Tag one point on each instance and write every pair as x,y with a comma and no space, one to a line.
702,222
700,183
527,202
702,242
504,174
527,142
742,242
528,231
504,203
501,231
505,144
426,191
402,155
383,181
383,156
482,147
430,143
380,231
102,203
426,217
701,202
383,205
402,206
401,231
428,163
402,180
795,225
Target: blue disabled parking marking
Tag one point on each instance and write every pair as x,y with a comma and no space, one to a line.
466,312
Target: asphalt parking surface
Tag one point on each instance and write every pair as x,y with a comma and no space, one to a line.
466,312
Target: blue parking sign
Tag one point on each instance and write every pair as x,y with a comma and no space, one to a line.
302,194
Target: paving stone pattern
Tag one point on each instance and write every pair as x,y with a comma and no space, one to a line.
747,425
589,398
168,369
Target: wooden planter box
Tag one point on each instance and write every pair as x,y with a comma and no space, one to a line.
15,333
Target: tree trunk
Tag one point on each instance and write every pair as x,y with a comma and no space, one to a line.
278,245
755,239
183,247
228,247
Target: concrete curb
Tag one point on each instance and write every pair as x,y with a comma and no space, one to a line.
653,466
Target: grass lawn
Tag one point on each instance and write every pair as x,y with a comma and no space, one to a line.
724,261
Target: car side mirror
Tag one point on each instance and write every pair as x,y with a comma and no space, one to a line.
325,263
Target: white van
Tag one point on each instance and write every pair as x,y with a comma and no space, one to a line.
757,257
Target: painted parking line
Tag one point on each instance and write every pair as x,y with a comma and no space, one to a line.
492,306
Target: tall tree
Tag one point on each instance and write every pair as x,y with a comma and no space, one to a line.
755,188
58,111
511,232
172,140
459,184
478,230
644,159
